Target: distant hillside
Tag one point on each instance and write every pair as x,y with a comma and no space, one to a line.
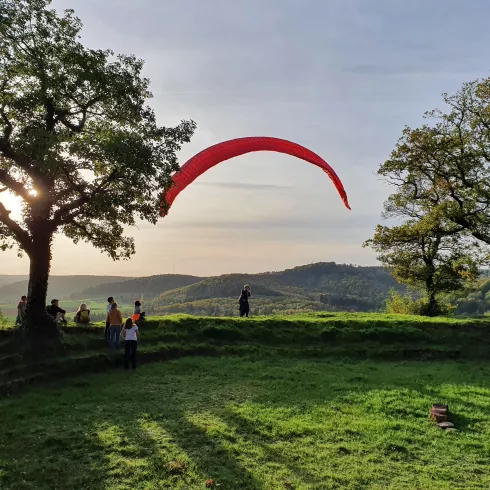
4,279
131,289
60,287
473,300
315,287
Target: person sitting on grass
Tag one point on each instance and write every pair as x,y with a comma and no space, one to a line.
130,335
115,320
21,310
138,315
56,312
82,315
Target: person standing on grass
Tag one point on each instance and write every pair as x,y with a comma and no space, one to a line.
130,336
110,301
243,301
21,310
115,320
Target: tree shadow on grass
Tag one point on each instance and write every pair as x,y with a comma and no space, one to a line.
84,438
210,456
249,430
48,457
170,448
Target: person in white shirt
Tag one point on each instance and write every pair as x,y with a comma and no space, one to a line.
130,336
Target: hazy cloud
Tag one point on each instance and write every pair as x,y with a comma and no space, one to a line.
342,77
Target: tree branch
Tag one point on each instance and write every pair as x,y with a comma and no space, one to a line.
10,183
76,128
84,109
60,213
20,234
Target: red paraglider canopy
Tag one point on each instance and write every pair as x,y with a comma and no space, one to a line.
220,152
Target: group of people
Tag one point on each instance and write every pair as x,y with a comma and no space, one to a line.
82,316
55,311
58,314
115,327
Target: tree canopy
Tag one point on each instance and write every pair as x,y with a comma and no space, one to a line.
444,168
441,175
425,255
78,142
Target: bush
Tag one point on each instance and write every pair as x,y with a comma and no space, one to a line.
407,305
3,321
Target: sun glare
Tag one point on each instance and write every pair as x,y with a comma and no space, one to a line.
13,203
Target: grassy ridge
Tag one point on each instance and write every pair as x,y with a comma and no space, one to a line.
367,336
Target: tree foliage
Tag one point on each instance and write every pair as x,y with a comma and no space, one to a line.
76,130
406,304
441,173
443,169
425,255
78,142
474,299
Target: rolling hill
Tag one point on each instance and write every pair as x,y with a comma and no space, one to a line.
131,289
6,279
315,287
60,287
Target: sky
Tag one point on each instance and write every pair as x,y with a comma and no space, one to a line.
341,77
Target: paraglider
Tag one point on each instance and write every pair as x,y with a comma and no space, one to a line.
220,152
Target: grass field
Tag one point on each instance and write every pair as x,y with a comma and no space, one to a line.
252,424
326,401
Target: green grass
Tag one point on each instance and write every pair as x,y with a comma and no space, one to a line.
252,423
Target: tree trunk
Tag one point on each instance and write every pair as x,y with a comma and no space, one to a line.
431,293
38,322
432,306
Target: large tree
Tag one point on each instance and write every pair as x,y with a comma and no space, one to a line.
443,168
441,175
427,255
78,143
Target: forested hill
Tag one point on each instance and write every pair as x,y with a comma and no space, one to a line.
315,287
135,288
6,279
59,286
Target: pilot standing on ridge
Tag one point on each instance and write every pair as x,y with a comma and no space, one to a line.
243,301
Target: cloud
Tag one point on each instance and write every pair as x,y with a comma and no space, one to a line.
420,69
286,222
